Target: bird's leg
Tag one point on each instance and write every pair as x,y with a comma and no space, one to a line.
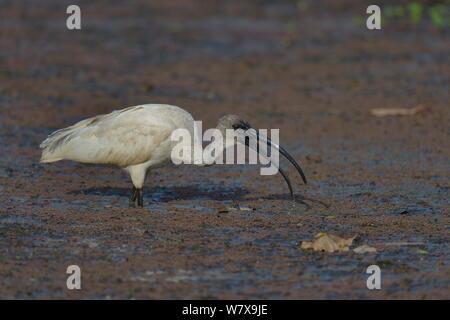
140,197
132,200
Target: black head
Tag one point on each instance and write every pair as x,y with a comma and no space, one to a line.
231,121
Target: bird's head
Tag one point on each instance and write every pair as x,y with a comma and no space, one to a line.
232,121
244,133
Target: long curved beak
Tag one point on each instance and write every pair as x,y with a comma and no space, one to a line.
281,150
287,156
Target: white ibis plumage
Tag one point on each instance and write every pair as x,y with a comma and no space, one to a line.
135,139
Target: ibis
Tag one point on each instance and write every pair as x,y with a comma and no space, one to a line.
137,139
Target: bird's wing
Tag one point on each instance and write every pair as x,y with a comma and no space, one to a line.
125,137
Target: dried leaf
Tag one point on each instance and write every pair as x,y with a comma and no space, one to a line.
235,208
328,243
383,112
365,249
245,208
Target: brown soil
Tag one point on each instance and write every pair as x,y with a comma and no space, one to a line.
313,73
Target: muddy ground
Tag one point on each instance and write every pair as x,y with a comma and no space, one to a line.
314,72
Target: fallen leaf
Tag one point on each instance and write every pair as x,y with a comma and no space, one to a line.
235,208
422,251
245,208
328,243
364,249
383,112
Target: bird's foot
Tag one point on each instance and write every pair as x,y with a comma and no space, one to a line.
133,197
140,198
136,198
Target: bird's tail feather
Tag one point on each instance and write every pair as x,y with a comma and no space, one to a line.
49,160
52,145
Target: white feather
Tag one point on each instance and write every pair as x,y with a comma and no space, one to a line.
134,138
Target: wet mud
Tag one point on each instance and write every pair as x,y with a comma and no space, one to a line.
313,73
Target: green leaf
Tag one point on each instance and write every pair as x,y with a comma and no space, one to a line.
415,12
437,15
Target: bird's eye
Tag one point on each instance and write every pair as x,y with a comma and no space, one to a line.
241,125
